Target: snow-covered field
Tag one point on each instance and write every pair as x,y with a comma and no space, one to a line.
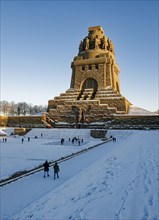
16,156
117,180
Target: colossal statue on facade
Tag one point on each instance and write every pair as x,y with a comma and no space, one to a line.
110,46
86,43
96,40
104,43
81,47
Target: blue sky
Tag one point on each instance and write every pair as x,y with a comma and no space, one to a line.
39,40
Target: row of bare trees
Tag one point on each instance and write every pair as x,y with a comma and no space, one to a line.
20,108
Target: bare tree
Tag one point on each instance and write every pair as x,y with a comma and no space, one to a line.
20,108
4,107
23,108
13,109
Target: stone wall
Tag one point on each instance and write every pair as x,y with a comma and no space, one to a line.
3,121
108,122
25,121
98,133
19,131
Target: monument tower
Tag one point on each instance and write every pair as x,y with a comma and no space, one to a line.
94,92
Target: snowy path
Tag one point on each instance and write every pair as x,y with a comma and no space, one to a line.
117,181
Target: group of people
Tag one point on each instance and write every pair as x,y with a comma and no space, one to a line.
55,168
29,138
23,140
113,138
4,140
74,140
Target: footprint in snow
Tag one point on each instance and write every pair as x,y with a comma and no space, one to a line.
150,201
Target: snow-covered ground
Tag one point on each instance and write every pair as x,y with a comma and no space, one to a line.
134,110
32,153
117,180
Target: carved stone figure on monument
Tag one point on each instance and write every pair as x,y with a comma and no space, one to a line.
91,44
81,47
81,115
104,43
96,43
86,43
110,46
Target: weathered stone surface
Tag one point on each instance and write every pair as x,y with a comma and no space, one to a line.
25,121
19,131
95,88
3,121
123,121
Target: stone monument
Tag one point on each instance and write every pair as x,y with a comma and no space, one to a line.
94,92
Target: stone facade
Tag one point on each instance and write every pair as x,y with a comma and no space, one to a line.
109,122
3,121
26,121
94,91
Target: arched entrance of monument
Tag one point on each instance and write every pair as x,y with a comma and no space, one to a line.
89,88
90,83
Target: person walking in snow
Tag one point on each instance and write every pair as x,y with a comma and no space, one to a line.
56,170
114,139
46,168
62,141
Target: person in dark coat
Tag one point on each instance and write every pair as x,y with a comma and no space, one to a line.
56,170
114,139
46,168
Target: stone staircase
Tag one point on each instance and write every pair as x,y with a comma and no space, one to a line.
70,94
96,104
87,94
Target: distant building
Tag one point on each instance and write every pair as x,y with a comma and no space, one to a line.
94,93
